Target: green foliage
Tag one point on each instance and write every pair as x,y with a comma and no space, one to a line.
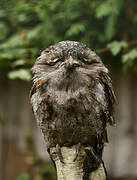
23,74
19,62
75,29
109,7
48,169
27,27
1,120
23,176
4,31
130,58
111,10
116,47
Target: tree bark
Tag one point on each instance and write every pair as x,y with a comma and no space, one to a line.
72,166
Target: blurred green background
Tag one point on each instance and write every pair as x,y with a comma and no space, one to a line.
28,26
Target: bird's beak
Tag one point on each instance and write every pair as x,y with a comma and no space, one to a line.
71,64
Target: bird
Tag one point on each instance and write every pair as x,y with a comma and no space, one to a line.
72,96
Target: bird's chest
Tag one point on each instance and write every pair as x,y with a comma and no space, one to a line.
73,104
82,100
65,113
72,101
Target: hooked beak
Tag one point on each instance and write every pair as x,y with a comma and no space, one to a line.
71,64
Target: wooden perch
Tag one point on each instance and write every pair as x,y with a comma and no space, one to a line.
71,169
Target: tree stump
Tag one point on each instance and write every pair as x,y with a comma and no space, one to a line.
74,169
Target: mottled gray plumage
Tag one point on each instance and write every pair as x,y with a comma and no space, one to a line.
72,96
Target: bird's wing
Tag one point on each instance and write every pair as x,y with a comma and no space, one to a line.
110,96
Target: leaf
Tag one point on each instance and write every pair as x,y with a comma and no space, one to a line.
23,74
4,31
75,29
116,46
130,56
14,53
12,42
110,27
108,8
104,10
18,63
24,176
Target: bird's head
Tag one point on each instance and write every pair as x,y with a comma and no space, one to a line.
67,62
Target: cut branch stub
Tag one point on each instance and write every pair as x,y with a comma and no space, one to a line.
72,168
